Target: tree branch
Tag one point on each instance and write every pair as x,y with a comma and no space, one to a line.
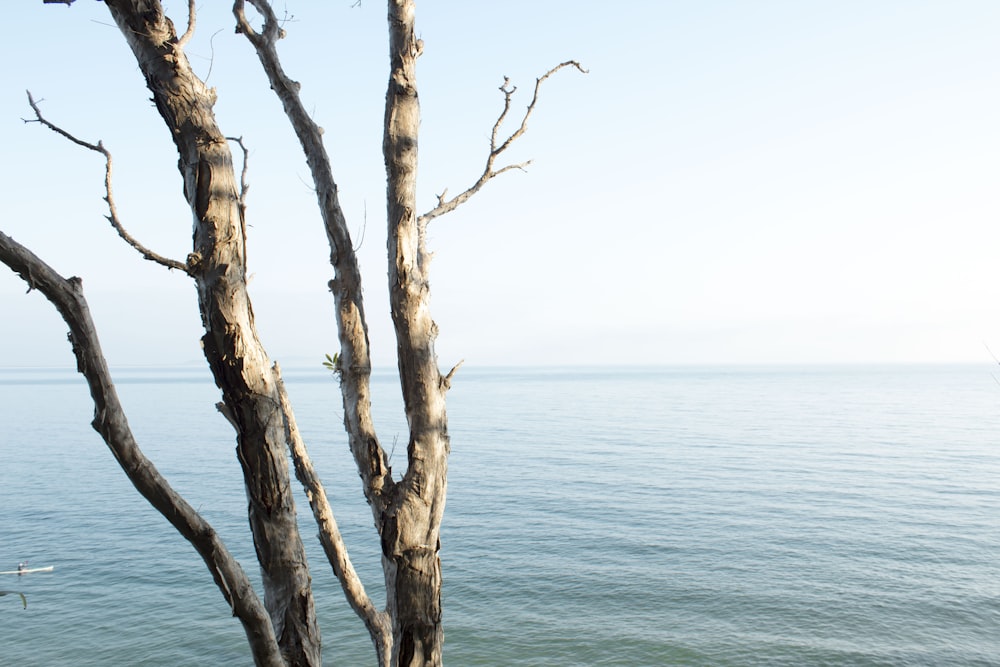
354,356
378,622
497,148
352,327
244,185
186,37
446,380
111,423
109,197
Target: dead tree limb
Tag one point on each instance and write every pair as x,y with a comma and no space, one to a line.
497,148
231,344
346,287
112,216
244,184
244,188
352,327
110,422
378,622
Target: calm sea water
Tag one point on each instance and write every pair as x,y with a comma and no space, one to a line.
677,516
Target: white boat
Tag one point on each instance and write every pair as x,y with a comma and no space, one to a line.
29,570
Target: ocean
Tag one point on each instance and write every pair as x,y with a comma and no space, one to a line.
829,515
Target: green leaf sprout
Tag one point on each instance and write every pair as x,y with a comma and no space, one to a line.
332,364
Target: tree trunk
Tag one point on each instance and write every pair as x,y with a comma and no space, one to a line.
238,361
410,528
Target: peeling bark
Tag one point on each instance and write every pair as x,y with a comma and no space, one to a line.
377,622
352,327
235,355
411,528
407,513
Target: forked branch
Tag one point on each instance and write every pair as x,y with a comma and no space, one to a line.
112,216
497,147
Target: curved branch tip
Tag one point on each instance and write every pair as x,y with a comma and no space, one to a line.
497,147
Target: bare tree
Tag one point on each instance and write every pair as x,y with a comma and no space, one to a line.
407,511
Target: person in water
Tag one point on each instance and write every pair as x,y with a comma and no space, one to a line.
22,566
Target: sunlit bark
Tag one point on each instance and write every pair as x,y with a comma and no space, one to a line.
238,361
407,512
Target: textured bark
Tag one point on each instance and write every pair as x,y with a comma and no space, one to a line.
238,361
110,422
354,363
407,513
352,327
410,529
377,622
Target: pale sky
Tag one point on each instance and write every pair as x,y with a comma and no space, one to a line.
734,182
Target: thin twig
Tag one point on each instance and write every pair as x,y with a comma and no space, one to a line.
497,148
109,197
244,187
211,60
244,184
364,228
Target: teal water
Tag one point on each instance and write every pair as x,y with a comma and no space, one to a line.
677,516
